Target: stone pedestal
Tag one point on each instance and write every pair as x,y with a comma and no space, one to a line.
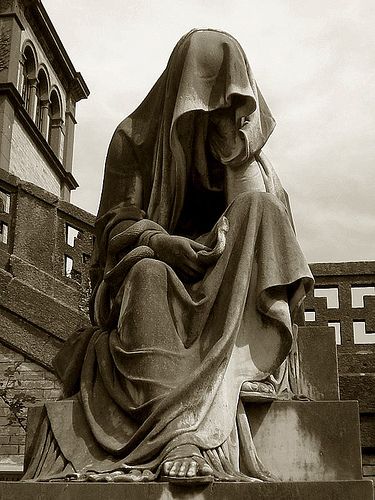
308,441
333,490
313,447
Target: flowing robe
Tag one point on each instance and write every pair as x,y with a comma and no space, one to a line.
165,360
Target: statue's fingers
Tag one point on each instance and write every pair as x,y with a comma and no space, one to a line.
199,246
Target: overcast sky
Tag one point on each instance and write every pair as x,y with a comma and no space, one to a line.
314,61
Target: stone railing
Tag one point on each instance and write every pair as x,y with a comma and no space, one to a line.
44,238
45,246
344,298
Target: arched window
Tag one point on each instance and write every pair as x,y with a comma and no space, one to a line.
42,103
27,80
55,134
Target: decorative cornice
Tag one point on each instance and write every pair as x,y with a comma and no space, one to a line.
71,116
15,16
72,180
13,95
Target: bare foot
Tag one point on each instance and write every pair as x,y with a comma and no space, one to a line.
261,387
186,462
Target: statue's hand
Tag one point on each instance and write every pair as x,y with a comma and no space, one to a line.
180,253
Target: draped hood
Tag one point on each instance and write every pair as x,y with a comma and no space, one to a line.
153,151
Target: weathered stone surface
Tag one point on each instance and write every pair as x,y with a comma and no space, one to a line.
318,363
308,441
24,337
76,213
297,441
340,269
342,277
38,308
69,294
337,490
369,470
359,386
26,155
35,230
362,361
38,225
29,380
368,430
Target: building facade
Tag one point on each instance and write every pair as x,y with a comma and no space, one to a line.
45,241
39,89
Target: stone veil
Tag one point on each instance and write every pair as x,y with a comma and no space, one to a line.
162,367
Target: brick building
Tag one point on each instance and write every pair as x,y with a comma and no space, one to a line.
39,89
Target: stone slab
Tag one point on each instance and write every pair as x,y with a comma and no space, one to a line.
297,441
318,363
308,441
336,490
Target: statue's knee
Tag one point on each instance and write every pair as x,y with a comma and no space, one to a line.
147,269
255,198
259,201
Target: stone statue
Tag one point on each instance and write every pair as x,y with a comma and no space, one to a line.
197,276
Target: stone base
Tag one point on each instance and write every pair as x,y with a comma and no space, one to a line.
334,490
296,441
308,441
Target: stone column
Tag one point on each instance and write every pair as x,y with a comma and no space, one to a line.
56,136
21,76
31,108
44,105
70,123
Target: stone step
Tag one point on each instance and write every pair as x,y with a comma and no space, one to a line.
308,441
333,490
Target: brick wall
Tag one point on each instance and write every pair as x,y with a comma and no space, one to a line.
28,164
32,380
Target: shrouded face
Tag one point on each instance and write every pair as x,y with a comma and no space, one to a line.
224,138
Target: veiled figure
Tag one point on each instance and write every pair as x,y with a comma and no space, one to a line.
197,276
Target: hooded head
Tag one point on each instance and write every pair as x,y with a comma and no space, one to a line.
171,138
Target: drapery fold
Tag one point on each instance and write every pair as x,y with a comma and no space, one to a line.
164,362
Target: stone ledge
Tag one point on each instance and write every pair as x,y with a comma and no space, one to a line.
38,308
325,269
66,293
25,338
335,490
